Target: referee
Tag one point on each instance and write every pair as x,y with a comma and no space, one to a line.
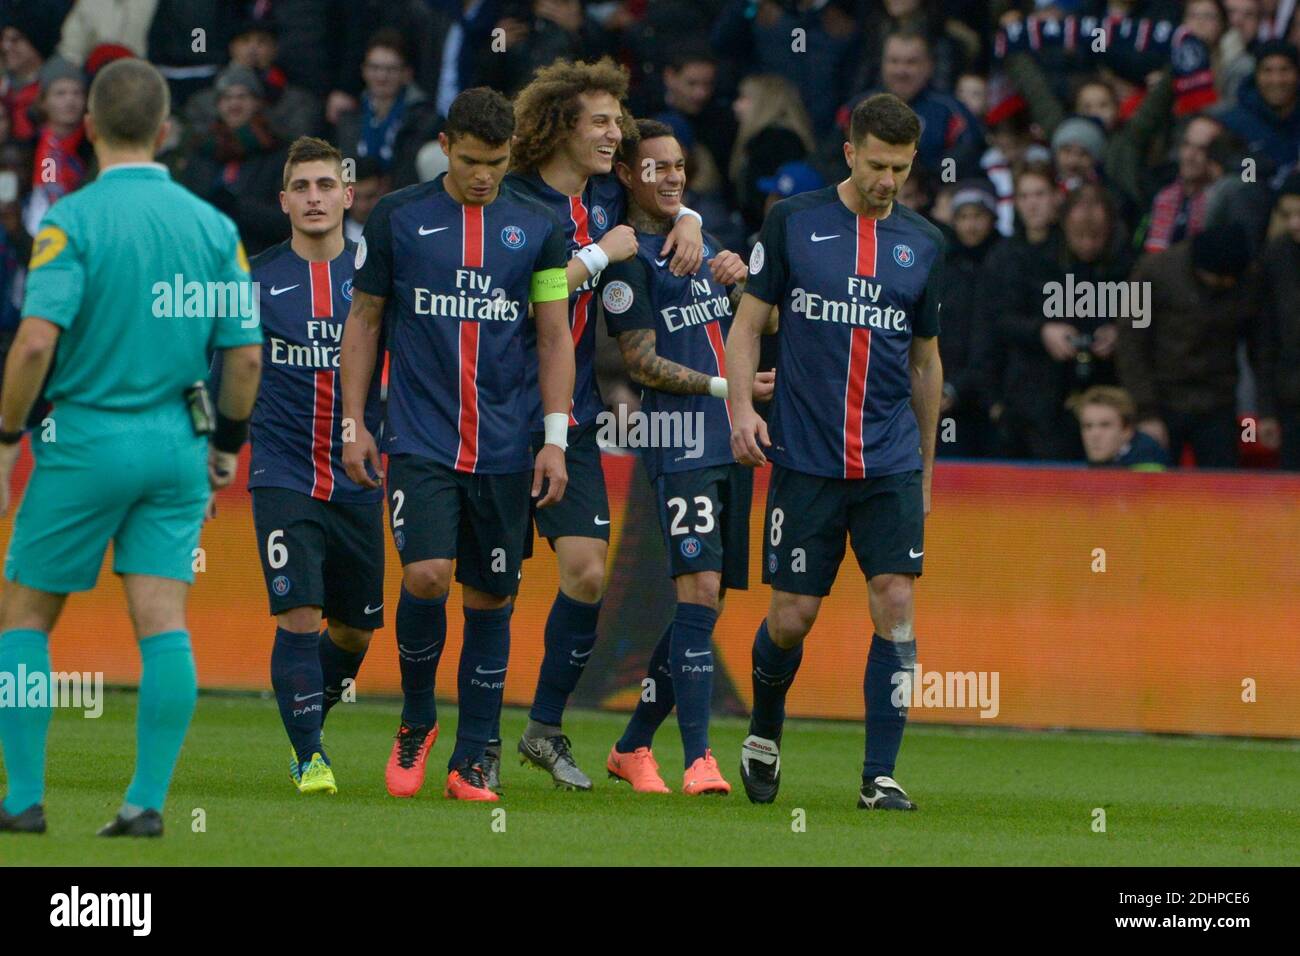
127,457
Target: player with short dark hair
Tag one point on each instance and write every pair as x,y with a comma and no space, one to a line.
139,447
454,264
320,535
852,427
571,120
671,331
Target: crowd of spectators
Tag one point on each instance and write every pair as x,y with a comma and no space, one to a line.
1066,144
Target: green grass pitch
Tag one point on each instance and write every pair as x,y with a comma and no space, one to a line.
986,798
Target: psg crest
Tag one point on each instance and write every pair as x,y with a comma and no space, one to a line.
690,547
280,585
513,237
904,255
346,289
599,217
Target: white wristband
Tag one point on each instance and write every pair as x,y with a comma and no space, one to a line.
594,258
557,428
687,211
718,387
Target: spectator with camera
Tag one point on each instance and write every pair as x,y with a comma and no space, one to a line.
1181,367
1053,350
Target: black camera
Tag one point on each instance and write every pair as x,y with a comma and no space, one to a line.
1082,357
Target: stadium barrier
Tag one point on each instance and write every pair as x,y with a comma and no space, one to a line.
1103,600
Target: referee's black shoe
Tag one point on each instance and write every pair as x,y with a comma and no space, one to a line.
31,820
760,768
883,793
147,823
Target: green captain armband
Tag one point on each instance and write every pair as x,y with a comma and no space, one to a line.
549,285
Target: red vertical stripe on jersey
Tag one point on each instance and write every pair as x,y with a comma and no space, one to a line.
855,386
322,294
582,305
322,435
855,396
720,356
578,213
472,237
865,264
323,398
467,453
471,257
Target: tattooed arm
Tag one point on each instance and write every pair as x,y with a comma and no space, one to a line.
654,371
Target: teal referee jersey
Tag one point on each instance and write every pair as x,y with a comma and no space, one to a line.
146,281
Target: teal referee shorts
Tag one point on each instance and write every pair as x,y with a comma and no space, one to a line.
138,479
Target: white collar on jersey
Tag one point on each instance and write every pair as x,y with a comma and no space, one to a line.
117,166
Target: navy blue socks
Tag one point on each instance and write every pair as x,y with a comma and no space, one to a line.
774,672
881,691
570,637
481,681
299,689
690,655
421,634
649,714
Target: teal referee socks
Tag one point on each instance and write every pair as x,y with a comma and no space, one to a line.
168,691
23,729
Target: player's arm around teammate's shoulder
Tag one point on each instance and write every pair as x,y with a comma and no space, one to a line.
617,245
685,242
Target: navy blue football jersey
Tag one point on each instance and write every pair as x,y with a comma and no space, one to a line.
690,316
586,219
852,292
457,280
296,427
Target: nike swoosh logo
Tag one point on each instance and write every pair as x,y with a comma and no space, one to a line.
372,610
275,291
479,670
912,553
598,521
661,262
299,698
430,232
698,653
816,238
586,654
